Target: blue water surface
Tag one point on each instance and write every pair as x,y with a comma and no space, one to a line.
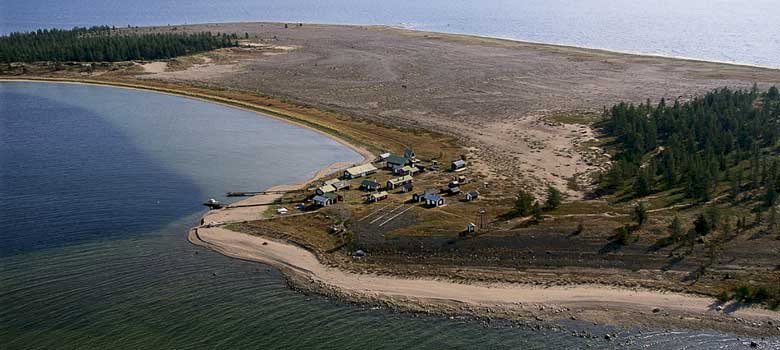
720,30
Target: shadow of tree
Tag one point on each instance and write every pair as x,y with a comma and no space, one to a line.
610,247
672,262
727,307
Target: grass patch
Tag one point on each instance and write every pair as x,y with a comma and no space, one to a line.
768,296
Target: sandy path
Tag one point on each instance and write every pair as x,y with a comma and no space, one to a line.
155,67
509,296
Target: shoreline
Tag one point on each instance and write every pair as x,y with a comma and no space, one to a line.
245,106
564,46
476,36
457,35
548,306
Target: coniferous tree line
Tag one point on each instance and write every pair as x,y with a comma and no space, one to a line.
100,44
725,135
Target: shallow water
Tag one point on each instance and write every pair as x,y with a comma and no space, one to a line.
99,186
720,30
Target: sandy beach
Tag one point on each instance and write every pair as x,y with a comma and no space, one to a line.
585,302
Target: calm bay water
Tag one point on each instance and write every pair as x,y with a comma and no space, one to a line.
99,186
719,30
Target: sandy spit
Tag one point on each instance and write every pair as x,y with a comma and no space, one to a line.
590,302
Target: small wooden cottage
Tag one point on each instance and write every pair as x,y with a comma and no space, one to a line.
458,165
399,181
341,185
325,199
405,170
370,185
433,200
376,197
420,197
381,160
470,196
325,189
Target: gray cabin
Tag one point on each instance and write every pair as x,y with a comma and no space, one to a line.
458,165
370,185
433,200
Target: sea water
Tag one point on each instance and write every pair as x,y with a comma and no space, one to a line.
718,30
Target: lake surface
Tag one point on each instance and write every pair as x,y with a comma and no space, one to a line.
717,30
99,186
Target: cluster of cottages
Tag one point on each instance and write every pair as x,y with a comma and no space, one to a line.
404,167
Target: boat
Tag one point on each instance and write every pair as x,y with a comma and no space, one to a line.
213,204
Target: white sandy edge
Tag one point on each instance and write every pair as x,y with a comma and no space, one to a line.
294,259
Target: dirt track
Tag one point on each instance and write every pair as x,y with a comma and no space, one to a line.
495,94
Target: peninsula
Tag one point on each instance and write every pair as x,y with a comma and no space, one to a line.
501,178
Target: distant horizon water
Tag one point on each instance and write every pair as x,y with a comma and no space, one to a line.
711,30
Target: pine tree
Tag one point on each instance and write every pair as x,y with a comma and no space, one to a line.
702,225
641,214
524,203
676,229
554,198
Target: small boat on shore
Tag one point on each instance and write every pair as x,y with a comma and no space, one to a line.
213,204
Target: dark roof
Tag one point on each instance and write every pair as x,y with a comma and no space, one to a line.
321,198
432,197
369,182
396,159
331,196
473,194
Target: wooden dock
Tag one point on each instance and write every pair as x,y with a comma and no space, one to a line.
253,193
